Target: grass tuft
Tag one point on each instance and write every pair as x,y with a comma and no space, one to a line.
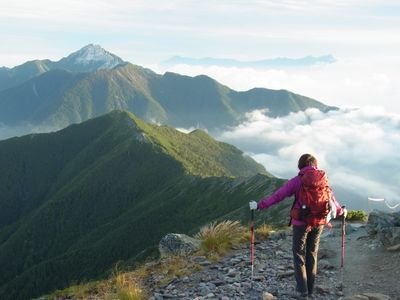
218,238
128,286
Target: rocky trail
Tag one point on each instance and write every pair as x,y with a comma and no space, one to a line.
368,266
370,271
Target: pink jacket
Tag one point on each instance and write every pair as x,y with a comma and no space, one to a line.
290,188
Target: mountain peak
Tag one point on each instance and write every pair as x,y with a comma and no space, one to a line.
93,57
90,52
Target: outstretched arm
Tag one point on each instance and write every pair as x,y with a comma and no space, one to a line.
287,190
340,211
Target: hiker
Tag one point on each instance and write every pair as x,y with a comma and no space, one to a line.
307,224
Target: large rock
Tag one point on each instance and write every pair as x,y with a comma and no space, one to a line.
386,227
178,244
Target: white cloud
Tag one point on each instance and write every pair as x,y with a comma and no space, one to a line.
190,129
357,147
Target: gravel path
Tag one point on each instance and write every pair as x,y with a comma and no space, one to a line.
368,268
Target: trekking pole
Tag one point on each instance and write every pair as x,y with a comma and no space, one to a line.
342,256
252,245
343,237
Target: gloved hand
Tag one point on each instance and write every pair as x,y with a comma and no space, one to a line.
253,205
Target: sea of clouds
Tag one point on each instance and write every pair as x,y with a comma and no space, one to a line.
357,144
359,148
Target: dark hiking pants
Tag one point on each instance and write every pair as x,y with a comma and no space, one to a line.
305,251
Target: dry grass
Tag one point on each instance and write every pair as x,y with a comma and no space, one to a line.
218,238
128,287
262,232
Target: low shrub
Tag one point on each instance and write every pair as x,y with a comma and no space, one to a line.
357,215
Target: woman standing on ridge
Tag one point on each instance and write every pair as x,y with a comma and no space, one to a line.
307,218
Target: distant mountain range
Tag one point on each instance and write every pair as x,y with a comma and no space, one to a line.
92,82
76,201
280,62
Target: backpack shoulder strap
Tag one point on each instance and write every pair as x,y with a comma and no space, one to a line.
294,201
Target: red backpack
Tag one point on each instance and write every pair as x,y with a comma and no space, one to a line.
314,196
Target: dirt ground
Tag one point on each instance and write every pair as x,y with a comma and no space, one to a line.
368,266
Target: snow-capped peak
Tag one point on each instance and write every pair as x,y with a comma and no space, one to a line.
92,53
92,57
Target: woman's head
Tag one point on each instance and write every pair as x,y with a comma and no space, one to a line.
307,160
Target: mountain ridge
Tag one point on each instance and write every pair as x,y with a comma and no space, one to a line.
93,189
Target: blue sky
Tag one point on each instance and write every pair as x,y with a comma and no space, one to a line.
359,147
